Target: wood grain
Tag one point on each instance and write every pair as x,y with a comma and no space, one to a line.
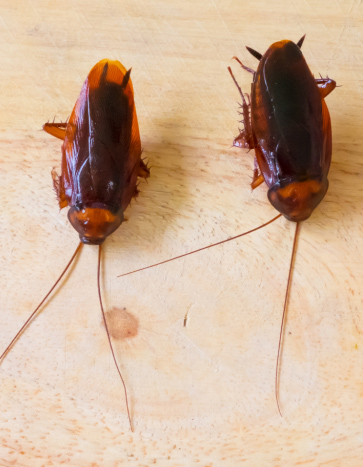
201,394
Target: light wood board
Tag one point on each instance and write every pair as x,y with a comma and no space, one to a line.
201,395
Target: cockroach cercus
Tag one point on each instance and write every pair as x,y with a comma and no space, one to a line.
101,163
287,123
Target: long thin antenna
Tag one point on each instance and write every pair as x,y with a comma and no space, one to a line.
109,338
41,303
204,248
283,318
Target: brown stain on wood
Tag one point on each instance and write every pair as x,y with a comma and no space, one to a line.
121,323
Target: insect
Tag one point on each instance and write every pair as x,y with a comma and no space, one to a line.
287,123
101,163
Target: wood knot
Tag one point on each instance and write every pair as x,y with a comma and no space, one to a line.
121,323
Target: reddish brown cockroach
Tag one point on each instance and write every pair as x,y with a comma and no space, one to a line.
287,123
101,161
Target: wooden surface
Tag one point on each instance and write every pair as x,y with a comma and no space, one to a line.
201,395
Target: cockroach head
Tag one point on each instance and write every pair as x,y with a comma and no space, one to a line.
94,222
296,200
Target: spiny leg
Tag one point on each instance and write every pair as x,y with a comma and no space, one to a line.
258,178
59,131
325,85
144,170
245,138
56,129
59,189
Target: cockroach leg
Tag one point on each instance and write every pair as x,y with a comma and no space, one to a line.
136,193
240,140
56,129
144,170
325,85
243,66
256,182
245,138
257,176
58,190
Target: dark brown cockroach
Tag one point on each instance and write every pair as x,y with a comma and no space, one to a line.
287,123
101,162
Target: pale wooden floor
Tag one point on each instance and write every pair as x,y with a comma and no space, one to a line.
201,395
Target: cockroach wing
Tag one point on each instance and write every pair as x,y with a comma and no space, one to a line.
101,150
328,144
290,131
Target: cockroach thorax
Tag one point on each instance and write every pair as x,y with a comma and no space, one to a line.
94,222
296,200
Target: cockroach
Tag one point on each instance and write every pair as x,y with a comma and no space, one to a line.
101,163
287,123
